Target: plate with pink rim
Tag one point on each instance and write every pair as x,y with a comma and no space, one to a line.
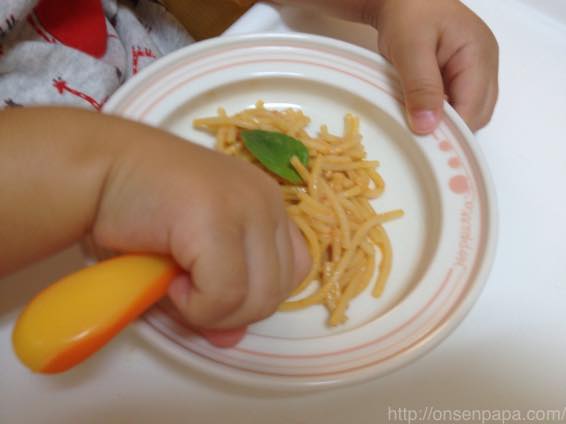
442,248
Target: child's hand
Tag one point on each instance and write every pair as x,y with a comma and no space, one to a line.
66,173
439,47
220,218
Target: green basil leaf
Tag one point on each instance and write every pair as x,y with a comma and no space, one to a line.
274,151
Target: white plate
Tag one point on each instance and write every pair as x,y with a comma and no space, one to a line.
443,247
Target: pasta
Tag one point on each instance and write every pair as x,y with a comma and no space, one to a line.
331,206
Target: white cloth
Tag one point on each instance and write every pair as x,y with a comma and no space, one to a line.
38,69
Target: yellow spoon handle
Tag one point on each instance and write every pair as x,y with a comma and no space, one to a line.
77,315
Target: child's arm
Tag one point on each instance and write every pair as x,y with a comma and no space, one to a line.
65,173
53,165
439,47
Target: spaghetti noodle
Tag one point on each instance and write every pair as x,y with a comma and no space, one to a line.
331,206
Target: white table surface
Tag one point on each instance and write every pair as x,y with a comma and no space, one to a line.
509,353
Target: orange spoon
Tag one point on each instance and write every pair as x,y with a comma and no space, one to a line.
73,318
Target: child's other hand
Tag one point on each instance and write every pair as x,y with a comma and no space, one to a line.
221,219
438,47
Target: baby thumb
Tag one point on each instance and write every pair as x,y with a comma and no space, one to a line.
302,260
423,89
